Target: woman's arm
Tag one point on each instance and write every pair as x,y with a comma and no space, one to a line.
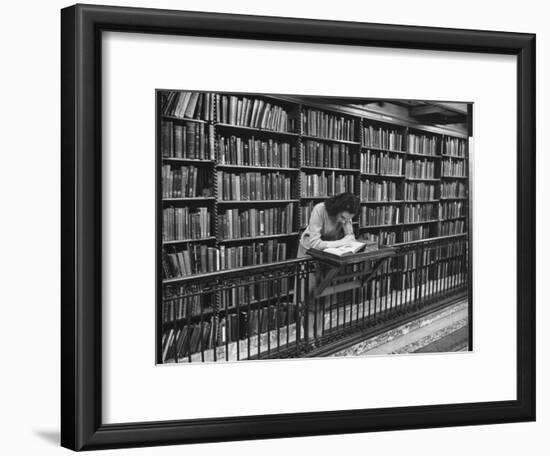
311,237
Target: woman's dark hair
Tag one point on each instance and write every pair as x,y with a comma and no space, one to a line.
342,202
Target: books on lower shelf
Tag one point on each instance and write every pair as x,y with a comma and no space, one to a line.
251,151
453,168
379,215
186,140
190,105
249,223
451,209
417,233
381,238
451,227
327,183
185,181
419,213
381,163
382,138
378,190
324,125
418,191
253,113
326,155
254,186
453,190
183,223
420,169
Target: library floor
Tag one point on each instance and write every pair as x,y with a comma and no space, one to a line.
444,330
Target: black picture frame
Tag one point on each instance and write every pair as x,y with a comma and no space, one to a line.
81,164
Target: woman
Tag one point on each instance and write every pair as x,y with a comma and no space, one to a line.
330,225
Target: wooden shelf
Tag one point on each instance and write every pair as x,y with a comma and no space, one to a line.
454,177
248,239
451,198
188,160
342,141
414,154
190,199
423,179
257,201
376,227
453,156
421,222
255,130
421,202
383,202
185,241
184,119
323,168
381,149
267,168
389,176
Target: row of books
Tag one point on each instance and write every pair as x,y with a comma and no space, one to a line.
455,147
255,152
421,144
305,213
453,190
186,140
189,338
382,138
379,215
254,113
419,169
254,186
182,303
250,223
378,191
183,223
326,155
327,183
451,227
419,213
417,233
451,209
330,126
382,237
185,181
190,105
412,260
418,191
380,163
453,168
240,297
196,259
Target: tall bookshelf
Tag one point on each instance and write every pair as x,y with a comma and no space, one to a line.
241,173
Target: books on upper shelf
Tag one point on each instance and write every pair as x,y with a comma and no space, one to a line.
417,233
186,140
253,186
350,248
379,215
329,126
252,254
381,238
182,223
418,213
421,144
451,209
190,105
378,191
452,168
185,181
234,150
453,190
326,155
254,113
455,147
327,183
451,227
419,169
382,138
249,223
418,191
381,163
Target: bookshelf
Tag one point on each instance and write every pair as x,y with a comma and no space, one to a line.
240,174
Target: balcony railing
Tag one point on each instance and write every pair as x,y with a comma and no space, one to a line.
268,311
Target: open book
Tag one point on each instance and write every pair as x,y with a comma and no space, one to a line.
352,247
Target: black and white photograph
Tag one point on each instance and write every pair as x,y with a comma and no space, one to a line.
293,226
